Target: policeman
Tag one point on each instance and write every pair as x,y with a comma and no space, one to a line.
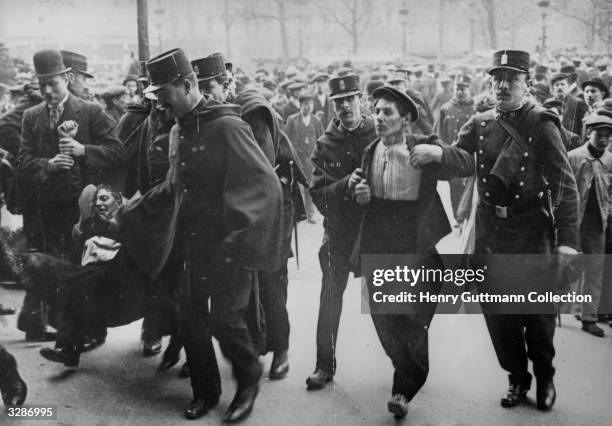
518,149
337,159
454,114
212,76
214,222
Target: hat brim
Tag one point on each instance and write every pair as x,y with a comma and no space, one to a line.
599,126
345,95
212,77
53,74
85,73
505,67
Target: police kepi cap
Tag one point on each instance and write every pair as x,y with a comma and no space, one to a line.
167,68
340,87
463,80
76,62
48,63
403,101
210,67
513,60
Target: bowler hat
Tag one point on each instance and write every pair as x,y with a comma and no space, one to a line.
557,77
210,67
76,62
599,83
340,87
404,103
167,68
568,69
513,60
48,63
373,85
597,121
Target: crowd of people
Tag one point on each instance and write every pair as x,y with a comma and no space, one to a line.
173,195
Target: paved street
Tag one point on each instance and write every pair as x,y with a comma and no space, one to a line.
115,385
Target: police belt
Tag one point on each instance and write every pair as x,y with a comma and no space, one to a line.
522,209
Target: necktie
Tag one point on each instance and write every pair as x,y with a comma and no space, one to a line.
54,116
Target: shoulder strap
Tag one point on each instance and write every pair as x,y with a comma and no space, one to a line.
513,133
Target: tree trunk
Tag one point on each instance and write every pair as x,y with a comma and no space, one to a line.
491,23
227,24
142,19
282,21
442,6
354,32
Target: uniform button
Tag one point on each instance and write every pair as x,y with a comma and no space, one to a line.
182,137
517,196
522,168
482,166
480,151
483,124
481,138
526,154
487,194
530,139
521,183
185,190
183,164
484,180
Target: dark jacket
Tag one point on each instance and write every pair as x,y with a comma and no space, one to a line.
516,180
325,110
432,222
128,131
219,188
104,154
574,110
10,136
304,138
337,154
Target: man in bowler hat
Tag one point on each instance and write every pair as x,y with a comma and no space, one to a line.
66,144
78,74
211,222
337,169
510,216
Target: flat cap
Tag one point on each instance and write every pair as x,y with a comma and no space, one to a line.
404,103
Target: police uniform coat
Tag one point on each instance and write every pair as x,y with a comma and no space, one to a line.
219,187
513,178
336,155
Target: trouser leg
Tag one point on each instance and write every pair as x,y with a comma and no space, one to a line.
273,290
508,339
539,333
231,291
405,340
194,327
593,244
333,285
